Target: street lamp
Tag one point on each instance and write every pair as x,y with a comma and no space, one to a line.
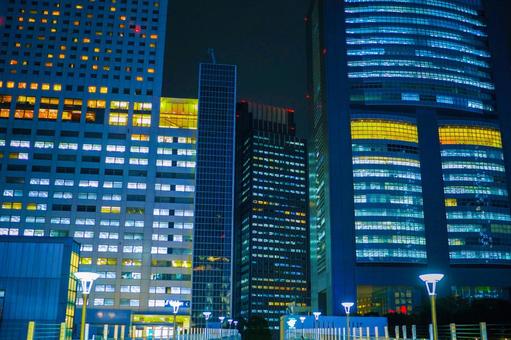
221,318
347,306
86,280
207,315
316,319
431,280
302,320
175,304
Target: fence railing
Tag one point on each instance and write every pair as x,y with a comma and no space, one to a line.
480,331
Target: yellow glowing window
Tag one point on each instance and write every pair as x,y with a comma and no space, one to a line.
96,104
85,260
72,101
12,205
49,100
5,99
150,70
31,206
62,56
84,57
92,89
34,86
57,87
122,17
90,117
4,113
86,40
103,89
74,115
118,118
140,137
178,113
154,36
24,114
45,87
94,67
1,83
10,84
470,135
139,78
117,105
143,106
142,120
48,114
451,202
25,100
56,13
384,129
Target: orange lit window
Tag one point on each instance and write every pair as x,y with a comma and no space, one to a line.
73,116
24,114
47,114
96,104
34,86
90,117
4,113
22,85
92,89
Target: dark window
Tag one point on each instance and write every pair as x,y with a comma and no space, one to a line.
113,172
86,208
45,156
65,170
61,207
40,168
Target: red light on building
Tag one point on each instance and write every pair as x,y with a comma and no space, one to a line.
137,29
2,21
403,309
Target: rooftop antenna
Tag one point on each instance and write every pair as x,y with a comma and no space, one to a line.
211,52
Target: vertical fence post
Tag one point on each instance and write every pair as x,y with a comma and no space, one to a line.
396,332
62,333
376,335
123,330
405,336
30,330
452,328
368,333
386,330
430,332
414,332
86,332
484,333
105,331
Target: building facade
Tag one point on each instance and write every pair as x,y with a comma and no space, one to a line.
408,173
214,195
271,230
91,150
37,288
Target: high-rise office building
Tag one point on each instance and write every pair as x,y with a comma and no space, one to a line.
90,150
214,195
407,155
271,230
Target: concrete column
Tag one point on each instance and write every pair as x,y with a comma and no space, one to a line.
414,332
484,332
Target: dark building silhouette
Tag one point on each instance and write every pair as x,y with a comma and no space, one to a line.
271,232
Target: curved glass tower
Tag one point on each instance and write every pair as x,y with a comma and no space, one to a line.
407,169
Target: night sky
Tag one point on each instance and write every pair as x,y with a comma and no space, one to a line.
266,39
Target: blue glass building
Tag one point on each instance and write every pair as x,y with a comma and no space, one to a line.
272,229
214,194
35,287
408,173
89,148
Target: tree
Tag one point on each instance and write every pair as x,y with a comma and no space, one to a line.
257,329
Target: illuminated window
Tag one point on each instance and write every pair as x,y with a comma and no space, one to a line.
142,120
118,105
384,129
140,137
72,115
470,135
118,118
143,106
178,113
92,89
45,87
24,114
103,89
50,114
96,104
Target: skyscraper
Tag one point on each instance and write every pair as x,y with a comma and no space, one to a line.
214,195
90,150
271,231
407,154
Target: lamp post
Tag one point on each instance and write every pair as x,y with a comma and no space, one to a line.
221,318
302,320
86,280
175,304
347,306
316,319
207,315
431,280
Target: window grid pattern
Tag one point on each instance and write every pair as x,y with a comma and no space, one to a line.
389,218
476,197
418,53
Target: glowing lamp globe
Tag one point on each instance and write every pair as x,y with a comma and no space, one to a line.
86,280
